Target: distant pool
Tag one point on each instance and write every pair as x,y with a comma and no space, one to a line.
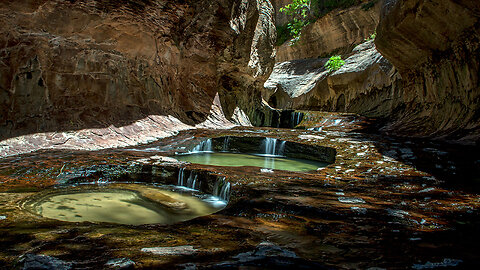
262,161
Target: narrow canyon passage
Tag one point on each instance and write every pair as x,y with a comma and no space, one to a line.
239,134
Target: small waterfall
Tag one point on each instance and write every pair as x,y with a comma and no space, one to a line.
180,177
281,148
269,146
191,181
296,118
225,144
272,148
222,189
204,146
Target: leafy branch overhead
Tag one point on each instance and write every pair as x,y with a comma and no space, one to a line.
303,12
299,9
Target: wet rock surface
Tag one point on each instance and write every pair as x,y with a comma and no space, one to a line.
122,263
385,202
169,251
43,262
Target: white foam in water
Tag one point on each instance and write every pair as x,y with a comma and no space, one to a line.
215,201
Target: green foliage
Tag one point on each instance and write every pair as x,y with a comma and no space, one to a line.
371,37
299,9
296,27
305,11
334,63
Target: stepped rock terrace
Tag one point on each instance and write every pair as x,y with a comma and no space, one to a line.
379,195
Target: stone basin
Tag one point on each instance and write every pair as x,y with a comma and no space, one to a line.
132,204
264,152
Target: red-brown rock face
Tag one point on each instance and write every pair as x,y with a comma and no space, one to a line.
73,64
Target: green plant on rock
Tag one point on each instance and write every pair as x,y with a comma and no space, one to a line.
371,37
334,63
296,27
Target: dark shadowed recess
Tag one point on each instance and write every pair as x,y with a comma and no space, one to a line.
456,165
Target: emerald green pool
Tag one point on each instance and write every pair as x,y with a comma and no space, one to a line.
237,160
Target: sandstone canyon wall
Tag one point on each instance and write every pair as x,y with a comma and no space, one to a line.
68,65
421,75
367,84
435,45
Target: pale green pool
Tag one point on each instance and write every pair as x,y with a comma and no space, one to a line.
133,204
237,160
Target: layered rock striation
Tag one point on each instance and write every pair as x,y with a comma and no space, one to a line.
70,65
422,75
435,45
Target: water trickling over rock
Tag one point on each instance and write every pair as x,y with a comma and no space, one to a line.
222,189
205,146
270,147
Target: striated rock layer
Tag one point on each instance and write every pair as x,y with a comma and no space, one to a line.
70,65
436,47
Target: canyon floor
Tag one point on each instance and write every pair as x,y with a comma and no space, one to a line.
385,202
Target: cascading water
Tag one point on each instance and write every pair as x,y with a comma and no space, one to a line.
281,148
221,189
296,118
205,146
180,177
270,147
225,144
191,182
